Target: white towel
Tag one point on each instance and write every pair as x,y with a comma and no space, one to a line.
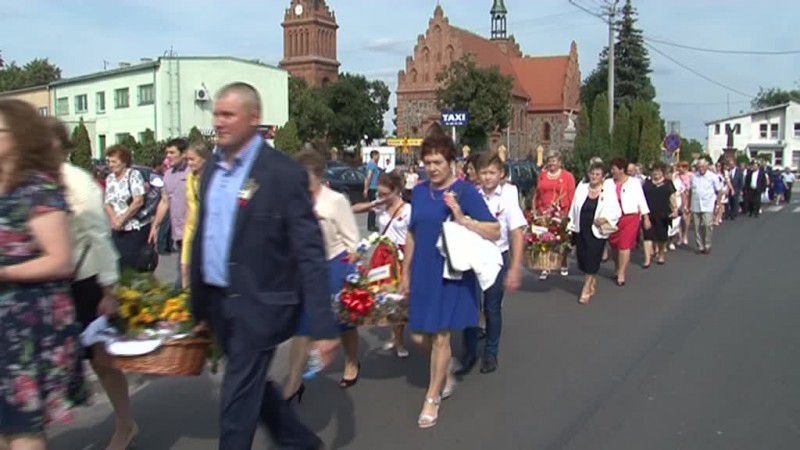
469,251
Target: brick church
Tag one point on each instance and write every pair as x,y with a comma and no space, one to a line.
545,90
309,42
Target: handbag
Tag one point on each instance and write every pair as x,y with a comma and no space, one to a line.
148,259
607,228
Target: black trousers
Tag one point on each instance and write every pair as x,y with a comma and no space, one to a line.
130,245
249,396
788,194
752,202
371,226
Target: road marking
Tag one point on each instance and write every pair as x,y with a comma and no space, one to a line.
796,210
775,208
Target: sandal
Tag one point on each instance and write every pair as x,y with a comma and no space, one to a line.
428,420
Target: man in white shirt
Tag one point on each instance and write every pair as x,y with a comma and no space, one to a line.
502,200
706,188
788,180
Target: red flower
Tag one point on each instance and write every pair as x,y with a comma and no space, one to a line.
358,302
243,203
63,310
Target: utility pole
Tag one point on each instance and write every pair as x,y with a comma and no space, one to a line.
612,11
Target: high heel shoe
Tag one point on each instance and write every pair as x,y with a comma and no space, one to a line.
298,393
345,383
428,420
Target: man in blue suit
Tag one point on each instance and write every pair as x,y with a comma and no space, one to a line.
257,259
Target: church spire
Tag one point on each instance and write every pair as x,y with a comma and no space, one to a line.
499,12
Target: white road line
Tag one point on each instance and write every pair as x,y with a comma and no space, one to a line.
796,210
775,208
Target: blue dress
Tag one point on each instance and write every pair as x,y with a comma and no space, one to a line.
437,304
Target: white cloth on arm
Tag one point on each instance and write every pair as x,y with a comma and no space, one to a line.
469,251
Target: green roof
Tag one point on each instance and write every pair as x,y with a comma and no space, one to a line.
499,7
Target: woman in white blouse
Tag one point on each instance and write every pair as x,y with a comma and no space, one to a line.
341,237
125,190
595,210
393,216
634,212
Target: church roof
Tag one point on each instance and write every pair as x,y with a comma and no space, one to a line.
544,79
489,54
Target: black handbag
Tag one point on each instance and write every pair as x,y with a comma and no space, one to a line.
148,259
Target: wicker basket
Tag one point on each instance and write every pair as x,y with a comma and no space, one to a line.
538,261
186,357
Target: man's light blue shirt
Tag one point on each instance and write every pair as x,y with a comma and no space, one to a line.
222,205
376,173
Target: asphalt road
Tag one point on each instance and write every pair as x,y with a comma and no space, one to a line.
703,353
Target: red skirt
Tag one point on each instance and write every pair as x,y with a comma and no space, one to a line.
627,234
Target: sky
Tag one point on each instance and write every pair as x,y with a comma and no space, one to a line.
375,36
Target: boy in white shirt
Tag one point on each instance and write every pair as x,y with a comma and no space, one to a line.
502,200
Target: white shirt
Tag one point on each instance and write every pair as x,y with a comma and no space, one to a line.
120,193
89,227
704,192
337,222
397,230
503,203
632,197
788,177
754,179
411,180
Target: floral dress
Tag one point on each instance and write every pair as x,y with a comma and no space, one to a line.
38,332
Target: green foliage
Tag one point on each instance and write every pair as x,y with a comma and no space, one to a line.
485,93
149,152
624,135
36,72
195,135
601,141
689,148
358,107
646,124
742,158
308,110
631,65
286,138
81,154
773,97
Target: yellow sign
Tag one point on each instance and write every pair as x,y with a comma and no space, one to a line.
404,142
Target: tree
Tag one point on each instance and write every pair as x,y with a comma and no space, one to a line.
773,97
309,111
148,152
36,72
623,138
485,93
358,106
286,138
631,65
600,139
646,131
81,155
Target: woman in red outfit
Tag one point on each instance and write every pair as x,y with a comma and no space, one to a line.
554,191
634,212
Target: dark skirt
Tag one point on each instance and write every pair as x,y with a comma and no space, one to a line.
589,249
87,295
130,245
659,231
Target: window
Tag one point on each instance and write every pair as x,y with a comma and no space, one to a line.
546,132
100,102
796,159
81,104
797,129
121,137
738,128
121,98
146,96
763,130
773,131
62,106
44,111
779,158
716,129
101,144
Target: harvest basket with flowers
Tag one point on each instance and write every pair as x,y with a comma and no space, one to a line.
547,240
370,295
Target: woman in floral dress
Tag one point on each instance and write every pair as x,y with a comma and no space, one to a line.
38,333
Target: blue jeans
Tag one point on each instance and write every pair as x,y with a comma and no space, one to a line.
492,310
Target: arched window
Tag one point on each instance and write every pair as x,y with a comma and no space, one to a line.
413,75
546,132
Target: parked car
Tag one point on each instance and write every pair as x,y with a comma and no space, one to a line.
346,180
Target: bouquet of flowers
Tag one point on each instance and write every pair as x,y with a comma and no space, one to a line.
547,239
370,294
154,329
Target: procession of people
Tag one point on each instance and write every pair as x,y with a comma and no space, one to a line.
264,245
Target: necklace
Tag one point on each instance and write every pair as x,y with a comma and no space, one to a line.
555,176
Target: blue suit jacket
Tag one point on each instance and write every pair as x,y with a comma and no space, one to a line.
277,261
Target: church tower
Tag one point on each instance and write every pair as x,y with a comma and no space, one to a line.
309,42
499,12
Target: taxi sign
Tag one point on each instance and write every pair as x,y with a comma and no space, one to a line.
404,142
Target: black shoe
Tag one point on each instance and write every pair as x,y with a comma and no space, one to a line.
297,394
345,383
466,366
489,364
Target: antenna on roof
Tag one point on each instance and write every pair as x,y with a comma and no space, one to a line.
105,64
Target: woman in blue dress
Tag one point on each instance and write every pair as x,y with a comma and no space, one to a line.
778,187
438,306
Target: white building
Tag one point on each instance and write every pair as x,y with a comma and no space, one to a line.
169,96
773,132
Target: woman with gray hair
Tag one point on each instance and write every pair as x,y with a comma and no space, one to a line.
553,195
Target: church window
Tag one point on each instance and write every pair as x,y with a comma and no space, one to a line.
546,132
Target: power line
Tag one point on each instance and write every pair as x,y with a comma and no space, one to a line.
710,80
731,52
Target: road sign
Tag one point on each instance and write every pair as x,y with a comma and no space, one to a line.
455,118
404,142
